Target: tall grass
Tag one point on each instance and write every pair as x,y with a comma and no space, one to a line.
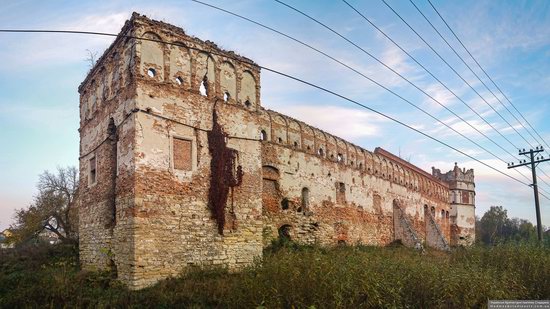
300,277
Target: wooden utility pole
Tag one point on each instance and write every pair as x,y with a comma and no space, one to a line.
533,162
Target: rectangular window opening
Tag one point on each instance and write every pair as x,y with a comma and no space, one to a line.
93,171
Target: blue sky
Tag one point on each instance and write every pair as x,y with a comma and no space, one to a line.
511,39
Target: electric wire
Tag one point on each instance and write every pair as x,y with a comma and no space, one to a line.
443,84
445,61
411,83
465,81
497,87
354,70
489,77
485,85
297,79
473,72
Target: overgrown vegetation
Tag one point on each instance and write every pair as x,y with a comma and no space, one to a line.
293,276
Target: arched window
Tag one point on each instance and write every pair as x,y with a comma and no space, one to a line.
263,135
320,152
305,199
203,88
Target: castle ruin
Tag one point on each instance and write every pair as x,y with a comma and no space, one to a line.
180,165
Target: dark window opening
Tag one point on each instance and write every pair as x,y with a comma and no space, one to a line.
263,135
308,148
340,157
226,96
203,88
296,144
285,204
247,103
284,232
93,171
151,72
179,80
320,152
280,140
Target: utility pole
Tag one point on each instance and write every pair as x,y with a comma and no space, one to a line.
533,162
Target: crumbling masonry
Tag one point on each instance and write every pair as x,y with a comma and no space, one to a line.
180,165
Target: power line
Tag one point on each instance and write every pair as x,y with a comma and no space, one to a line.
492,81
354,70
462,78
404,78
473,72
436,78
395,72
284,75
485,85
445,61
496,86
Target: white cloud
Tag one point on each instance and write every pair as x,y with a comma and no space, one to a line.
347,123
32,50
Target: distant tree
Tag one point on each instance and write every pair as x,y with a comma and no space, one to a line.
492,225
495,227
54,208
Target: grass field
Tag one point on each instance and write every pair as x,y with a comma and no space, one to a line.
293,276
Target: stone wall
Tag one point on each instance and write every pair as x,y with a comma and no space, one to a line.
107,132
190,169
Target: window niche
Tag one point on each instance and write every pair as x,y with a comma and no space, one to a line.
182,154
340,192
92,167
305,200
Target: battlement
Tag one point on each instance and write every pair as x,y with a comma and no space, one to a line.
454,175
156,53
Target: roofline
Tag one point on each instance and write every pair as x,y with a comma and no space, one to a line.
128,26
391,156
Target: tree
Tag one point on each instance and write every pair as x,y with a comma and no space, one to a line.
495,227
492,225
54,208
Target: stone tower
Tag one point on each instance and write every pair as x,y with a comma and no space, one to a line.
169,156
462,195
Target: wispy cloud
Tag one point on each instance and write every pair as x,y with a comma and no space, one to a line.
347,123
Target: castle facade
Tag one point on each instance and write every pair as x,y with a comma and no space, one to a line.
181,165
